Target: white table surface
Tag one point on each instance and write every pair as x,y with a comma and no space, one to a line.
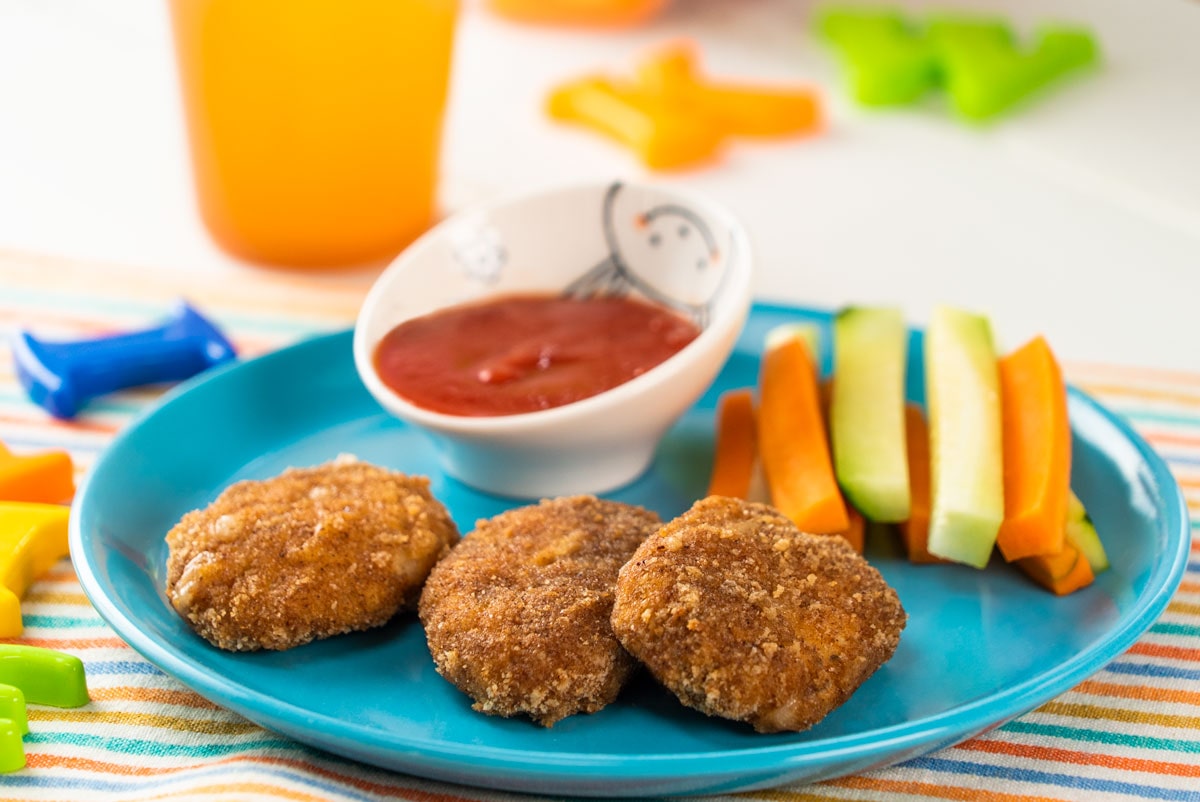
1077,217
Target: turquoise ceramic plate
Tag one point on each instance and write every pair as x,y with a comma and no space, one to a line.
981,646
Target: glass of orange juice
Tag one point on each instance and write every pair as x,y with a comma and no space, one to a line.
314,125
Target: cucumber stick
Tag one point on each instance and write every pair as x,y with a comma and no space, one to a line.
966,452
1081,533
866,413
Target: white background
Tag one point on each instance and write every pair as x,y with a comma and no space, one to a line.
1077,217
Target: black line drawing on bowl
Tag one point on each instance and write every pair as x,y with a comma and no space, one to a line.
614,276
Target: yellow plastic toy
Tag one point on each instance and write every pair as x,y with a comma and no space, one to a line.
33,537
672,117
46,478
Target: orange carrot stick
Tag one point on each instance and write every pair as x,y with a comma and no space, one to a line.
793,443
856,532
915,531
1037,452
1062,573
736,447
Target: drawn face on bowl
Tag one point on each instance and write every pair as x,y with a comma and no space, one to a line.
665,251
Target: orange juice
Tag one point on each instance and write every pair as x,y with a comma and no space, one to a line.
315,125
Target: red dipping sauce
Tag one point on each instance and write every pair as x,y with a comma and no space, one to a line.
523,353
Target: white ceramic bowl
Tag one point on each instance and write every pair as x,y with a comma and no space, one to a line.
656,244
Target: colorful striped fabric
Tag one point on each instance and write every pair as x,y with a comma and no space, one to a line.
1132,731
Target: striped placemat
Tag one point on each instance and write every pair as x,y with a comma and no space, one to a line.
1131,731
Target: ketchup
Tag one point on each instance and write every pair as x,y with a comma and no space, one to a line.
523,353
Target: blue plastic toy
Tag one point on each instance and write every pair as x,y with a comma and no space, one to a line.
63,376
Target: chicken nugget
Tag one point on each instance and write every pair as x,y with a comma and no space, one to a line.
517,617
743,616
310,553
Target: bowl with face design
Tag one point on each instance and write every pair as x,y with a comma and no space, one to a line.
663,247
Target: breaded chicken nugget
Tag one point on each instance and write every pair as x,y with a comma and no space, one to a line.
310,553
518,615
741,615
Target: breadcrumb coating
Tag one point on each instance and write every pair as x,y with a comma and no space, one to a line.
743,616
308,554
517,617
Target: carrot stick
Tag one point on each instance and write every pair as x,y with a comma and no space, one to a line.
759,492
856,532
1062,573
736,447
1037,452
915,531
793,443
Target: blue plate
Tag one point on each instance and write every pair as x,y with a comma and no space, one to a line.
981,646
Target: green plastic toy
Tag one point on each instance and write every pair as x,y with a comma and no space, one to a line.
40,676
13,725
12,707
986,73
46,677
12,750
890,59
887,60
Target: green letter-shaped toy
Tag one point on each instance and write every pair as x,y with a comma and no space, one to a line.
46,677
890,60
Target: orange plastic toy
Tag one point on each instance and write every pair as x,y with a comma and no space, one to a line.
47,478
672,117
662,138
599,13
671,74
